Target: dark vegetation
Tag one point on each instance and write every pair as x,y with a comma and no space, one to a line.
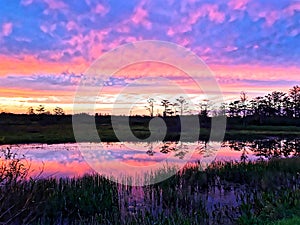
259,192
58,129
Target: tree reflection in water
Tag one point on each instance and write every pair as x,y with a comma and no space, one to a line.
263,149
150,151
274,148
180,148
268,148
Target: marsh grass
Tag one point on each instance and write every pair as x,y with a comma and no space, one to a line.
290,221
16,129
225,193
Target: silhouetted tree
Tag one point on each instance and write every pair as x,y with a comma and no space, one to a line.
222,110
294,94
262,108
150,150
30,111
275,103
166,104
287,107
204,107
58,111
40,109
253,107
182,104
243,105
150,107
175,105
234,108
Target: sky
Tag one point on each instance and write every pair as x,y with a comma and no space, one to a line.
47,45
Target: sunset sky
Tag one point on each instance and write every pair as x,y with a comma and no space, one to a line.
46,45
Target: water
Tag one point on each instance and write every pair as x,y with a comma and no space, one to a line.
73,160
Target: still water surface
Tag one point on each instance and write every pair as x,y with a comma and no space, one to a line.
66,160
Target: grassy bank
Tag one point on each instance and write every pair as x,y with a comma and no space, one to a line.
290,221
64,134
58,129
225,193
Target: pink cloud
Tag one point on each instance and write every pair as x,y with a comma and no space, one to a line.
184,42
26,2
7,29
215,15
123,28
48,28
170,32
212,11
56,4
290,10
30,64
231,48
270,16
140,16
207,10
91,43
71,25
256,72
121,40
102,10
238,4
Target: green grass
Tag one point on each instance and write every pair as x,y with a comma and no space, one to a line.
50,129
63,133
291,221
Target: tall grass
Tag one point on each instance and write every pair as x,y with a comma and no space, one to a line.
224,193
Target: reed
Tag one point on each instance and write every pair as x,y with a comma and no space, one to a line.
225,193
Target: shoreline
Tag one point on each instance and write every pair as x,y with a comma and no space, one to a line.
234,135
23,129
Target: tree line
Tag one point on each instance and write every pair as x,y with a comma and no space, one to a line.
275,104
170,108
41,110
